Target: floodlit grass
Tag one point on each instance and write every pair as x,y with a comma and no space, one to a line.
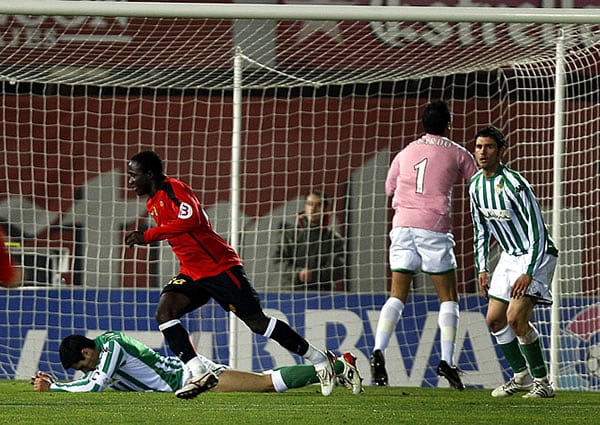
440,406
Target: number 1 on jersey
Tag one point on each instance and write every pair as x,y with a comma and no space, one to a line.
420,167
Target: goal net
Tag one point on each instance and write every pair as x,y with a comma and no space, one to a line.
254,112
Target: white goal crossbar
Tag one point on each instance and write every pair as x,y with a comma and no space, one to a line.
302,12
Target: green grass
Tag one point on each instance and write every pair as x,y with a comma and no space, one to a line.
20,405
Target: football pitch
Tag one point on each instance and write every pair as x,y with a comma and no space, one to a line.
20,405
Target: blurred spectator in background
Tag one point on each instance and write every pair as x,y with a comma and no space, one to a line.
10,275
311,255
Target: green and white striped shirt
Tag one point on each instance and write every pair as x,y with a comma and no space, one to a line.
505,206
126,364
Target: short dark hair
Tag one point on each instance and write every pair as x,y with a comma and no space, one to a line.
493,133
322,195
436,117
149,161
70,349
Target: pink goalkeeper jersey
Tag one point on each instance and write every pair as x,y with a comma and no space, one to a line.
420,180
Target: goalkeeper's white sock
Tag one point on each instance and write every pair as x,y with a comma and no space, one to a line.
388,319
448,323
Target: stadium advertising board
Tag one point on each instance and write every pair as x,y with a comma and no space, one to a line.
327,321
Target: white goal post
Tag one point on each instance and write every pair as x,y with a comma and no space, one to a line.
256,104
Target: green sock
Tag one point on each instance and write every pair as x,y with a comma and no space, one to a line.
299,376
535,357
338,367
514,356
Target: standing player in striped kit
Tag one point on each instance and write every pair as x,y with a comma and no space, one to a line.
504,206
420,181
210,268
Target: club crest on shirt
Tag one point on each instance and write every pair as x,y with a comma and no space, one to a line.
154,211
499,188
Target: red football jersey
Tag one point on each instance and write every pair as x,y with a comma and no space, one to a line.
7,271
181,220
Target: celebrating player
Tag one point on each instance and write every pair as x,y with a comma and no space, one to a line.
117,361
420,180
504,206
210,268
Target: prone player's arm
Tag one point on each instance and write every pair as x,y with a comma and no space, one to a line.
99,378
41,381
93,381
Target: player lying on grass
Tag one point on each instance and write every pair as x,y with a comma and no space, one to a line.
117,361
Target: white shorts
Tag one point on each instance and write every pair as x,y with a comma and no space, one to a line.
509,268
414,249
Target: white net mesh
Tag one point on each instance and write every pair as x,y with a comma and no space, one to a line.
325,105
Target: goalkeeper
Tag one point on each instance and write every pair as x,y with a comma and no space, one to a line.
420,181
117,361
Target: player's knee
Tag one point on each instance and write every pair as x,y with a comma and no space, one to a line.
164,314
161,317
495,324
519,326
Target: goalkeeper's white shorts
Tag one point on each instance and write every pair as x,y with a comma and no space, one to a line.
414,250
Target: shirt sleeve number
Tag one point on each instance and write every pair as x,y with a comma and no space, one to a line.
185,211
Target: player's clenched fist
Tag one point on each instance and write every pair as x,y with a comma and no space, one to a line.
135,238
41,381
